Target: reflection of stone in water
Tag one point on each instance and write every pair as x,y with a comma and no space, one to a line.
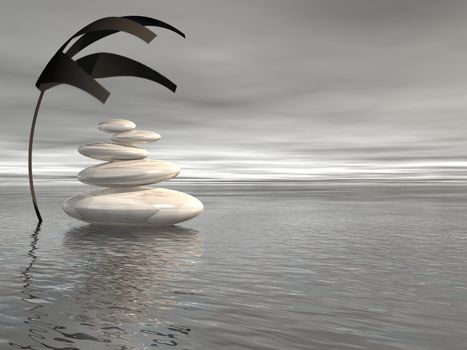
123,277
125,267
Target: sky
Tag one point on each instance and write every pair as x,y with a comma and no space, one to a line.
267,90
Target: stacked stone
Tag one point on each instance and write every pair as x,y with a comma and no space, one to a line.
123,201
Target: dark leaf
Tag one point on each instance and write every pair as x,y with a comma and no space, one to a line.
61,69
106,26
103,65
95,35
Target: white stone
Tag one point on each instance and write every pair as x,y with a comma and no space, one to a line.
128,173
112,151
133,206
116,125
136,136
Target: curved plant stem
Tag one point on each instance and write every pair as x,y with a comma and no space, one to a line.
31,139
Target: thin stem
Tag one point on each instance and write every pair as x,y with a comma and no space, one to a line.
31,139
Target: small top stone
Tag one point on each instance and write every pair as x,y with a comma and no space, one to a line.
116,125
135,136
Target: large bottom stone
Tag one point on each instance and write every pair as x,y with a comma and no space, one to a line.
133,206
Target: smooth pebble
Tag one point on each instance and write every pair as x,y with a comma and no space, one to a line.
128,173
136,136
116,125
133,206
112,151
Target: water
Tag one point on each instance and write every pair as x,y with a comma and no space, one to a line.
264,267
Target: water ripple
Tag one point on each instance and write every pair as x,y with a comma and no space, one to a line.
380,269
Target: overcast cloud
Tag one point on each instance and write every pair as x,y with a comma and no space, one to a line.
294,90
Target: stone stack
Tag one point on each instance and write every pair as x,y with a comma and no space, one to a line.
123,201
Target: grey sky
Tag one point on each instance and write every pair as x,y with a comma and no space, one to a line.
267,89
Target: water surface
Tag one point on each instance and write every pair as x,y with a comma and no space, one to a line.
264,267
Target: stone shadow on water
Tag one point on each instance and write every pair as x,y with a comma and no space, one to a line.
111,290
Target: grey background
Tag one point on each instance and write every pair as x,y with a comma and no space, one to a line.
268,90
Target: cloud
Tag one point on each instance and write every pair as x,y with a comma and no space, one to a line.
267,89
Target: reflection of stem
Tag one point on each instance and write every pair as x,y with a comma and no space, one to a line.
36,328
33,256
31,139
